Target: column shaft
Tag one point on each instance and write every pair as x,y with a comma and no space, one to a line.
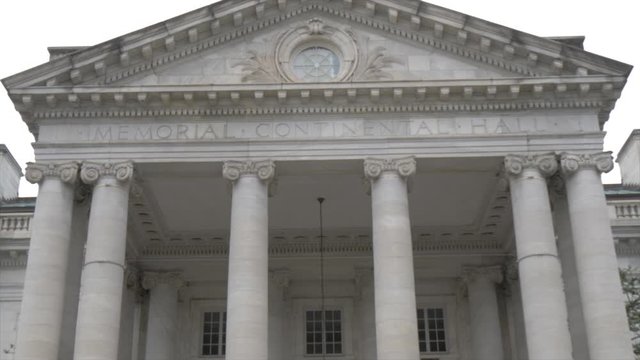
163,315
543,299
562,225
99,309
394,284
486,334
247,288
44,287
596,263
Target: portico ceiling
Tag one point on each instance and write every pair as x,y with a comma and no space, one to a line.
189,204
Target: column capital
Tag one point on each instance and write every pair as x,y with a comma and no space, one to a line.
374,167
264,169
92,171
492,273
546,164
67,172
571,163
151,279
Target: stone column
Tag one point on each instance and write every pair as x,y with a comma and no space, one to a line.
394,284
564,236
486,334
600,291
163,314
102,281
247,288
366,313
44,285
543,300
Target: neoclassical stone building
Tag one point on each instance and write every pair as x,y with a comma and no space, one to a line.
298,179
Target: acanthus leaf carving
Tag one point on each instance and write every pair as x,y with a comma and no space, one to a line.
376,65
259,67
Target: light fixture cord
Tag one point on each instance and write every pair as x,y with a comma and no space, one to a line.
320,201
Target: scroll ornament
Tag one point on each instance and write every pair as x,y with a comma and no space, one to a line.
570,163
547,164
67,172
264,169
374,167
91,171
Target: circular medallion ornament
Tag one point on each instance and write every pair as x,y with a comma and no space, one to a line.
316,52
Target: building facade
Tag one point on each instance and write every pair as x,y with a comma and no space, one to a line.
293,179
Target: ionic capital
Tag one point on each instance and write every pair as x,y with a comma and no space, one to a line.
546,164
151,279
67,172
92,171
601,162
265,170
374,167
491,273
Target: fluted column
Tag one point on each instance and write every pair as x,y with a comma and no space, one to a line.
543,299
163,314
44,285
486,334
394,284
600,290
248,279
101,287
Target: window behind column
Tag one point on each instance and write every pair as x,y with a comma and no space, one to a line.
323,332
431,330
214,333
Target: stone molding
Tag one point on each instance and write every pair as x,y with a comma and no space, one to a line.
265,169
332,248
92,171
374,167
492,273
546,164
151,279
570,163
67,172
198,101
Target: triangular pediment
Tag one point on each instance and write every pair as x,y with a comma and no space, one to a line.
362,55
417,41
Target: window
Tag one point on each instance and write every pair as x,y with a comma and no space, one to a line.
323,332
214,333
431,330
316,64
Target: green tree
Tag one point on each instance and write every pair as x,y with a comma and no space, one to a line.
630,279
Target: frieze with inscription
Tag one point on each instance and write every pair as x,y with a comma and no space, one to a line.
311,129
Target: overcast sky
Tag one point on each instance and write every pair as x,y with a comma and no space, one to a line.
28,27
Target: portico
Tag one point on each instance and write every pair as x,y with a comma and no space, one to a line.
438,236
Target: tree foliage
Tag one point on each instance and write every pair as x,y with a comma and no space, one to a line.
630,279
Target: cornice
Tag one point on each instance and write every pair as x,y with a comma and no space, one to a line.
264,99
420,23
